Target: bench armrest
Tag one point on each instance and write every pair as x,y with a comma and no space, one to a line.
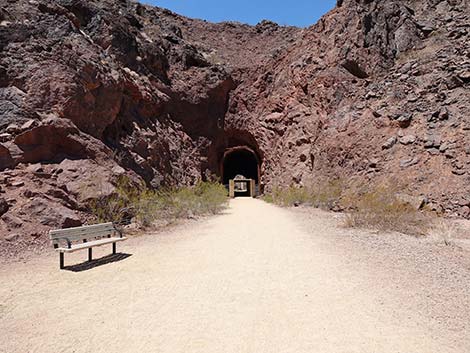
118,230
69,243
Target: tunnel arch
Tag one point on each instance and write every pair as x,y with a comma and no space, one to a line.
240,160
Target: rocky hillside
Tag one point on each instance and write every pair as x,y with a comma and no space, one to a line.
376,90
91,90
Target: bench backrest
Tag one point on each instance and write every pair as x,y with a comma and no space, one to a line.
81,233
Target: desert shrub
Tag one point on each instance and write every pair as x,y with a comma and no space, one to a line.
323,195
213,58
366,206
117,206
213,197
444,230
268,198
288,196
148,206
428,51
202,199
328,195
380,208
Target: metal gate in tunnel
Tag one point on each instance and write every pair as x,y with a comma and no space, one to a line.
241,163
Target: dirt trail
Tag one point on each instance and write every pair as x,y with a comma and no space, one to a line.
250,280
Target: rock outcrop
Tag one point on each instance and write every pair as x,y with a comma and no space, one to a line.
92,90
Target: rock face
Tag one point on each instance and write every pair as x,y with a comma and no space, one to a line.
90,90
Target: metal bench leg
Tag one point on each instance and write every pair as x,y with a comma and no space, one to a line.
61,260
114,248
90,254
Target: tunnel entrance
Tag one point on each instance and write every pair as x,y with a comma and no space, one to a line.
240,161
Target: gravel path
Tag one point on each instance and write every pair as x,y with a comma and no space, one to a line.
255,279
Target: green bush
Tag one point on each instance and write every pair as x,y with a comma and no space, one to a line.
117,206
213,197
204,198
148,206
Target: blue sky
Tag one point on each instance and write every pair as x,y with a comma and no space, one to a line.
300,13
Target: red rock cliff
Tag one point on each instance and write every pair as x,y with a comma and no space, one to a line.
90,90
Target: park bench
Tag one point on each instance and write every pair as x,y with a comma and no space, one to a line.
86,237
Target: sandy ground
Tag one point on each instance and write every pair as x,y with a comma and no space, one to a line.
255,279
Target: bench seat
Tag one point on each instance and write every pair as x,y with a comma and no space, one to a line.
91,244
85,237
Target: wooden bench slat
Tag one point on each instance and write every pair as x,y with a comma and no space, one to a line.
91,244
75,234
85,227
81,230
78,237
84,237
80,234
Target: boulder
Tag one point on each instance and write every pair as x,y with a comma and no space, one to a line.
464,212
12,222
432,141
54,137
51,214
4,137
404,120
416,202
11,237
29,124
407,139
464,75
389,143
406,36
6,161
12,107
4,206
408,162
12,129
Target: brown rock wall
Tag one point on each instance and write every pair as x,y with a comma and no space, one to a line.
375,90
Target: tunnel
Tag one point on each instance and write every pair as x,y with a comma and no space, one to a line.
240,160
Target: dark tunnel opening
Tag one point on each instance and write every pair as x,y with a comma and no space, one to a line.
240,160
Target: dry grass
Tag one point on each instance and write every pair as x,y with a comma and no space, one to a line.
380,208
427,52
147,206
204,198
372,207
443,230
213,58
113,205
324,195
288,197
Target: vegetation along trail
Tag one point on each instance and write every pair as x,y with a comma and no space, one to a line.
256,278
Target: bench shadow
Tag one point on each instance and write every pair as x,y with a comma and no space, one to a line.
85,266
